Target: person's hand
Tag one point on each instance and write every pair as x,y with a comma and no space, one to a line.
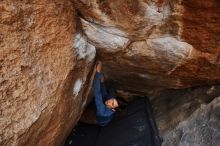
99,66
111,103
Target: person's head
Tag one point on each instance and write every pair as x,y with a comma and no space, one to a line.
111,103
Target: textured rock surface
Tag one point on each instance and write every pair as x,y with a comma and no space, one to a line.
173,106
202,128
149,45
44,65
155,44
47,49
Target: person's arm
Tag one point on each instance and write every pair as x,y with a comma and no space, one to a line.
104,92
101,108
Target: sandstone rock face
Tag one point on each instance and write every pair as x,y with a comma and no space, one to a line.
149,45
201,128
45,65
155,44
47,51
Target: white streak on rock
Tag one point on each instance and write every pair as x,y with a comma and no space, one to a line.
113,30
102,39
77,87
144,76
172,48
152,14
84,103
91,51
83,48
155,15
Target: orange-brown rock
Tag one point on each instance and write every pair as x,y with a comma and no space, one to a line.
45,68
201,24
155,44
124,17
47,50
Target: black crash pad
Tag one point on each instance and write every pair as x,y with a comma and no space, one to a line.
134,126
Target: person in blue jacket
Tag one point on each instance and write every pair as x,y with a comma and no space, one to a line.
105,103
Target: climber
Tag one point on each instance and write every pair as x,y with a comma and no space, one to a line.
105,103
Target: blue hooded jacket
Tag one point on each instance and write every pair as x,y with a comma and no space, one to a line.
103,114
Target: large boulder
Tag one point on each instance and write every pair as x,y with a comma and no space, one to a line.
149,44
45,71
174,106
47,51
201,128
